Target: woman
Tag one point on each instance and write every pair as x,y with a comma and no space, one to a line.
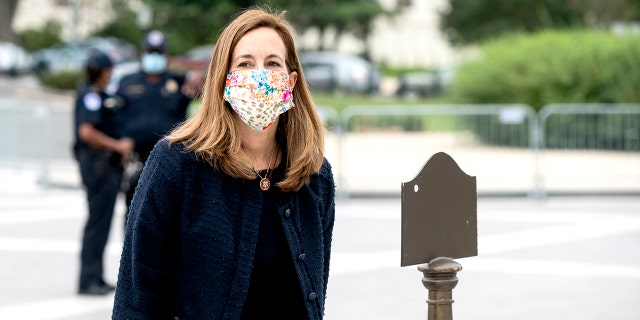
236,204
99,150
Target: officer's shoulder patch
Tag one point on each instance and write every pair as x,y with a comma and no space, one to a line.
92,101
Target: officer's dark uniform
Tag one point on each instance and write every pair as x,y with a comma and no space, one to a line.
151,110
101,172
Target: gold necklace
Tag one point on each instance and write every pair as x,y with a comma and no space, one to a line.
265,184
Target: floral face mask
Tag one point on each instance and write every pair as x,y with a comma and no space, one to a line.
258,96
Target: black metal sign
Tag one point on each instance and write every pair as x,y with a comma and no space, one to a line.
439,213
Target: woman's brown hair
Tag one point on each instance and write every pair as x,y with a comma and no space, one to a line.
213,134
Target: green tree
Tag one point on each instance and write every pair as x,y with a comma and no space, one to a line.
598,13
125,26
469,21
340,16
189,23
192,22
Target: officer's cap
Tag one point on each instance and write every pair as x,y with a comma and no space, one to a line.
155,40
98,60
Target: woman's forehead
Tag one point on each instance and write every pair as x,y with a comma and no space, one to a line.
261,41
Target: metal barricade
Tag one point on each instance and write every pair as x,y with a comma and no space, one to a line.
38,141
565,148
377,146
590,148
25,127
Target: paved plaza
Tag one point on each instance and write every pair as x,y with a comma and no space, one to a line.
559,258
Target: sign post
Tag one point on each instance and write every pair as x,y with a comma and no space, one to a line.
439,224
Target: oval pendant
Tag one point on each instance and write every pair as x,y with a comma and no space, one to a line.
265,184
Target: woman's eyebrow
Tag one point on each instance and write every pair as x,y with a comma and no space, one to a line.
275,55
244,56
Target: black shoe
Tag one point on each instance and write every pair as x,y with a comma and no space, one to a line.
96,289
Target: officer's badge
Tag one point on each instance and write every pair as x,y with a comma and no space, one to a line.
171,86
111,103
135,89
92,101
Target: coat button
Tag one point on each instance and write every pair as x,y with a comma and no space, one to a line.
301,257
287,213
312,296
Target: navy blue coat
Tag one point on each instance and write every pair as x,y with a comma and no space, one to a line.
192,233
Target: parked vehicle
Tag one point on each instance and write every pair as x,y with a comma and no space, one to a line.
196,59
66,56
424,83
119,71
333,71
13,58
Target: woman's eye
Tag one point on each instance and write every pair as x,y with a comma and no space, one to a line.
244,65
274,64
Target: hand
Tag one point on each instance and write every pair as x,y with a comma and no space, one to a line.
194,81
125,147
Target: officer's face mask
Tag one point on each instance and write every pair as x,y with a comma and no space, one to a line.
258,96
153,63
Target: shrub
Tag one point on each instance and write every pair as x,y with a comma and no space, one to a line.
553,67
67,80
36,39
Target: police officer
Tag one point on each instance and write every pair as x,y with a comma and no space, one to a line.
99,150
154,100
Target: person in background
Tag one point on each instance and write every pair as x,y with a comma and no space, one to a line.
238,202
100,151
154,101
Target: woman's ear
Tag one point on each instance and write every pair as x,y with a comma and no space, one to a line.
293,77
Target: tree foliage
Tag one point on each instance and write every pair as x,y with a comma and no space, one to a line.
125,26
469,21
189,23
338,16
192,22
599,13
